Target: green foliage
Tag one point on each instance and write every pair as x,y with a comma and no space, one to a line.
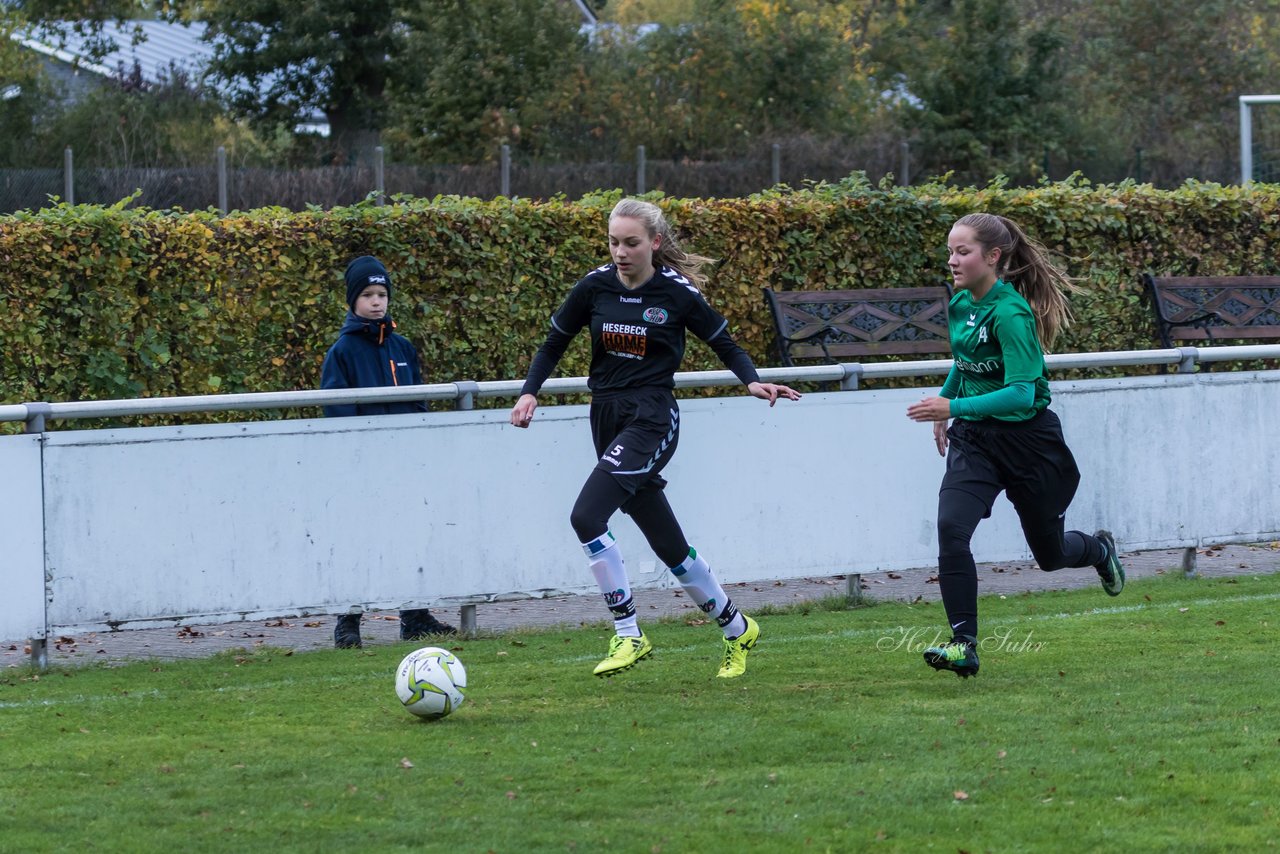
979,88
131,123
492,64
284,60
1138,728
737,75
990,99
112,302
1163,76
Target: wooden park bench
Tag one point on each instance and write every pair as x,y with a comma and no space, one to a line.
1215,308
857,324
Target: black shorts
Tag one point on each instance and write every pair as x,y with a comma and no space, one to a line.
1027,459
635,434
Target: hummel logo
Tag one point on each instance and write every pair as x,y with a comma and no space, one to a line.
972,320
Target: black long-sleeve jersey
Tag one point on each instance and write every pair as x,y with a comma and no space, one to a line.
637,335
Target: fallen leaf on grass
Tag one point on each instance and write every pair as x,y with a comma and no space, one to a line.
405,763
961,796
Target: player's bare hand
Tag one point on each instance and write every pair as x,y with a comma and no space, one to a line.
772,391
940,436
930,409
522,412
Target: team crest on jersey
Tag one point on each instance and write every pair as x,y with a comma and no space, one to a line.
656,315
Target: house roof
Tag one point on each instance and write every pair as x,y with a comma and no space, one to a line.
166,46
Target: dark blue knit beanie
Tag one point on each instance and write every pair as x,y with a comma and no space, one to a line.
363,272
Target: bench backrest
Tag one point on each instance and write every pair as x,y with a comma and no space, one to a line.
1199,308
856,324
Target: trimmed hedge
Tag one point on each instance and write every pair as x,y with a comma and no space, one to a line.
112,302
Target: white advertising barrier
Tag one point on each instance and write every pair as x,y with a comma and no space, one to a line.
22,580
222,522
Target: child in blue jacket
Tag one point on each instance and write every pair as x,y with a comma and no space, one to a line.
368,353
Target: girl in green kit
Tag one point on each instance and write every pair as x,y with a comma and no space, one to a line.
1008,308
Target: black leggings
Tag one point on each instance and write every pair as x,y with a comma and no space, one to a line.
1052,547
602,495
1031,463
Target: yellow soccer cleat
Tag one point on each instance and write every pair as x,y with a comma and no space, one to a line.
735,651
623,654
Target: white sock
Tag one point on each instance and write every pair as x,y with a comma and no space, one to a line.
610,572
697,579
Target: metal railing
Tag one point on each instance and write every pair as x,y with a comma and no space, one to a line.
464,393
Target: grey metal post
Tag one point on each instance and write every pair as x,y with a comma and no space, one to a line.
775,164
904,148
506,171
222,179
467,391
1189,562
36,414
68,176
640,170
379,175
853,588
467,625
39,653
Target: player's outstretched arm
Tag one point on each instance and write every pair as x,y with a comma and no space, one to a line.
522,412
772,391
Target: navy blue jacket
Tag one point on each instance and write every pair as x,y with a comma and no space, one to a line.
368,354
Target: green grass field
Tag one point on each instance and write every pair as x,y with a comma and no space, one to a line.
1147,722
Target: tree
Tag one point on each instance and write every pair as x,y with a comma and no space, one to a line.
24,93
1162,77
278,59
282,59
480,69
987,86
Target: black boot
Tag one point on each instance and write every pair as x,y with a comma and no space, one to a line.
419,622
346,634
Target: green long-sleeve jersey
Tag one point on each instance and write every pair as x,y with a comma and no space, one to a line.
999,367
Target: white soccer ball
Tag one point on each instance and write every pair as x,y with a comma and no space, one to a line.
431,682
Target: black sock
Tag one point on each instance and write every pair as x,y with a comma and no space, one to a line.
958,581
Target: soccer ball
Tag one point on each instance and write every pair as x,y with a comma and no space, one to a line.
430,682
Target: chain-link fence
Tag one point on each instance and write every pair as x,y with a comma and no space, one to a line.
224,187
238,188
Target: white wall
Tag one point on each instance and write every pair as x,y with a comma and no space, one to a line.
221,522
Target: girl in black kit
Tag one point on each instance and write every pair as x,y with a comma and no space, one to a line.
638,309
